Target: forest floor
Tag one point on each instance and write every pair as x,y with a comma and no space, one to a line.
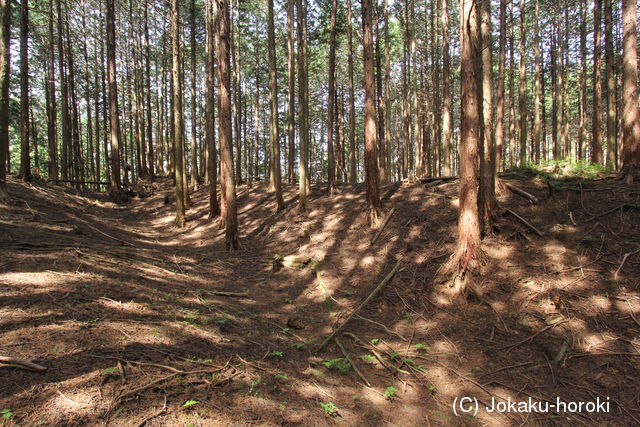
127,315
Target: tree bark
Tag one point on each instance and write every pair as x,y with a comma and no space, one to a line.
446,93
630,167
303,103
5,57
487,196
291,97
352,104
331,175
115,184
275,174
210,99
178,120
193,183
500,93
467,254
227,184
25,159
371,166
523,87
596,142
611,85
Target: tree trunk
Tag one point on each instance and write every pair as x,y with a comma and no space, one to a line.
227,184
387,88
303,103
50,90
352,105
630,167
500,94
273,119
5,28
147,56
596,143
291,97
583,80
194,76
468,249
331,173
523,87
178,121
611,85
25,160
537,103
115,184
487,196
210,99
446,93
370,158
382,139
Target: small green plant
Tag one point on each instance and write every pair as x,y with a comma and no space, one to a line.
110,370
432,388
282,377
421,346
368,358
288,301
189,403
375,341
6,414
276,353
253,385
329,408
393,355
300,345
390,392
341,364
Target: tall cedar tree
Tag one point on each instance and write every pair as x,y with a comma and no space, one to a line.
303,97
352,103
291,96
522,96
274,164
209,99
500,93
370,157
5,22
446,92
487,196
630,168
596,139
611,85
227,184
25,159
331,101
193,182
178,120
115,184
468,253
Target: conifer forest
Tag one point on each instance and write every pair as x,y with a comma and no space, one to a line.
319,212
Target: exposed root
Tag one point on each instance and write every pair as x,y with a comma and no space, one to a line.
463,265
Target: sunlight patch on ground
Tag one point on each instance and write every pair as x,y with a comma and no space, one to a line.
45,279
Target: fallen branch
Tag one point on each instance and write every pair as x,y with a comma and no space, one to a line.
12,362
624,259
520,192
530,337
355,367
384,224
362,304
438,178
228,294
622,206
525,222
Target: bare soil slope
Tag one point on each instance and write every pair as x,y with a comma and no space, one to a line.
130,317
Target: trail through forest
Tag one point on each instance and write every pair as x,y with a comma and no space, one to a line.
139,323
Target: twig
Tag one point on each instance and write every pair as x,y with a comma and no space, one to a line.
520,192
21,364
384,224
362,304
624,259
524,222
371,349
622,206
228,294
580,267
530,337
355,367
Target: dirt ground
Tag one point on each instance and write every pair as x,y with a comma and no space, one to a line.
127,313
